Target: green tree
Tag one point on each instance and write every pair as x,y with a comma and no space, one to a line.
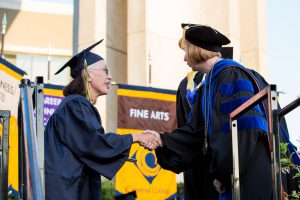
286,166
108,190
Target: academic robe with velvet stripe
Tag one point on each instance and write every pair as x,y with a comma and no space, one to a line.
196,181
229,88
77,151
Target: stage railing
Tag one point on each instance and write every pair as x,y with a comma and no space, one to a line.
270,94
4,148
288,108
29,178
39,115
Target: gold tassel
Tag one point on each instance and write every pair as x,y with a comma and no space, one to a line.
182,45
88,92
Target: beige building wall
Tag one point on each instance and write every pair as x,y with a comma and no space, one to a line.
163,31
35,29
31,28
140,33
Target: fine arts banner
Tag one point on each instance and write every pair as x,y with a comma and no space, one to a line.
141,108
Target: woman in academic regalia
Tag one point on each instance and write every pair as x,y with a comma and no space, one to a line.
77,150
206,136
196,180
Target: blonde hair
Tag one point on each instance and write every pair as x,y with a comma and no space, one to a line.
196,54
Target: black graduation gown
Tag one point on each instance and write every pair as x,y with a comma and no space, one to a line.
184,145
77,151
196,181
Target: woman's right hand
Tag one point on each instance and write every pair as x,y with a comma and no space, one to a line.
148,141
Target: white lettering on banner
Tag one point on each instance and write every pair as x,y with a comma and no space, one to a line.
137,113
160,115
49,111
52,101
144,114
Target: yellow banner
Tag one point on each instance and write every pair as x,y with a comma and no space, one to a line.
10,77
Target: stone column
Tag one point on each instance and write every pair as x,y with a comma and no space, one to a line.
254,35
137,42
91,28
154,29
116,49
108,20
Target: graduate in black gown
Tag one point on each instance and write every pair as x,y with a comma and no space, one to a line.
206,136
77,150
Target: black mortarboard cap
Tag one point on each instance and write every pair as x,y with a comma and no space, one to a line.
204,36
76,63
227,52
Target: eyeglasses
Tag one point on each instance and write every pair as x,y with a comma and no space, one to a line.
106,70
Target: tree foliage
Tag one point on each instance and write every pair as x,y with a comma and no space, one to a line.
286,167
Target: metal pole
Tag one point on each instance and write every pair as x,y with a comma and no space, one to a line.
235,160
150,69
39,110
22,161
49,62
75,26
5,115
274,136
34,185
4,22
290,107
234,136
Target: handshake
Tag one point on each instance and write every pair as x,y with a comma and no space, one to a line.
148,139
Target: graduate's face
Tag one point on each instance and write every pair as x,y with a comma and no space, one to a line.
99,78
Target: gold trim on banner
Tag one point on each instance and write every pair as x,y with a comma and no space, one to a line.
53,92
147,95
10,72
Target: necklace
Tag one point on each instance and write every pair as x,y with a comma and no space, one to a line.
207,109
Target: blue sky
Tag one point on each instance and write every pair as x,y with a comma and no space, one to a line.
283,26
